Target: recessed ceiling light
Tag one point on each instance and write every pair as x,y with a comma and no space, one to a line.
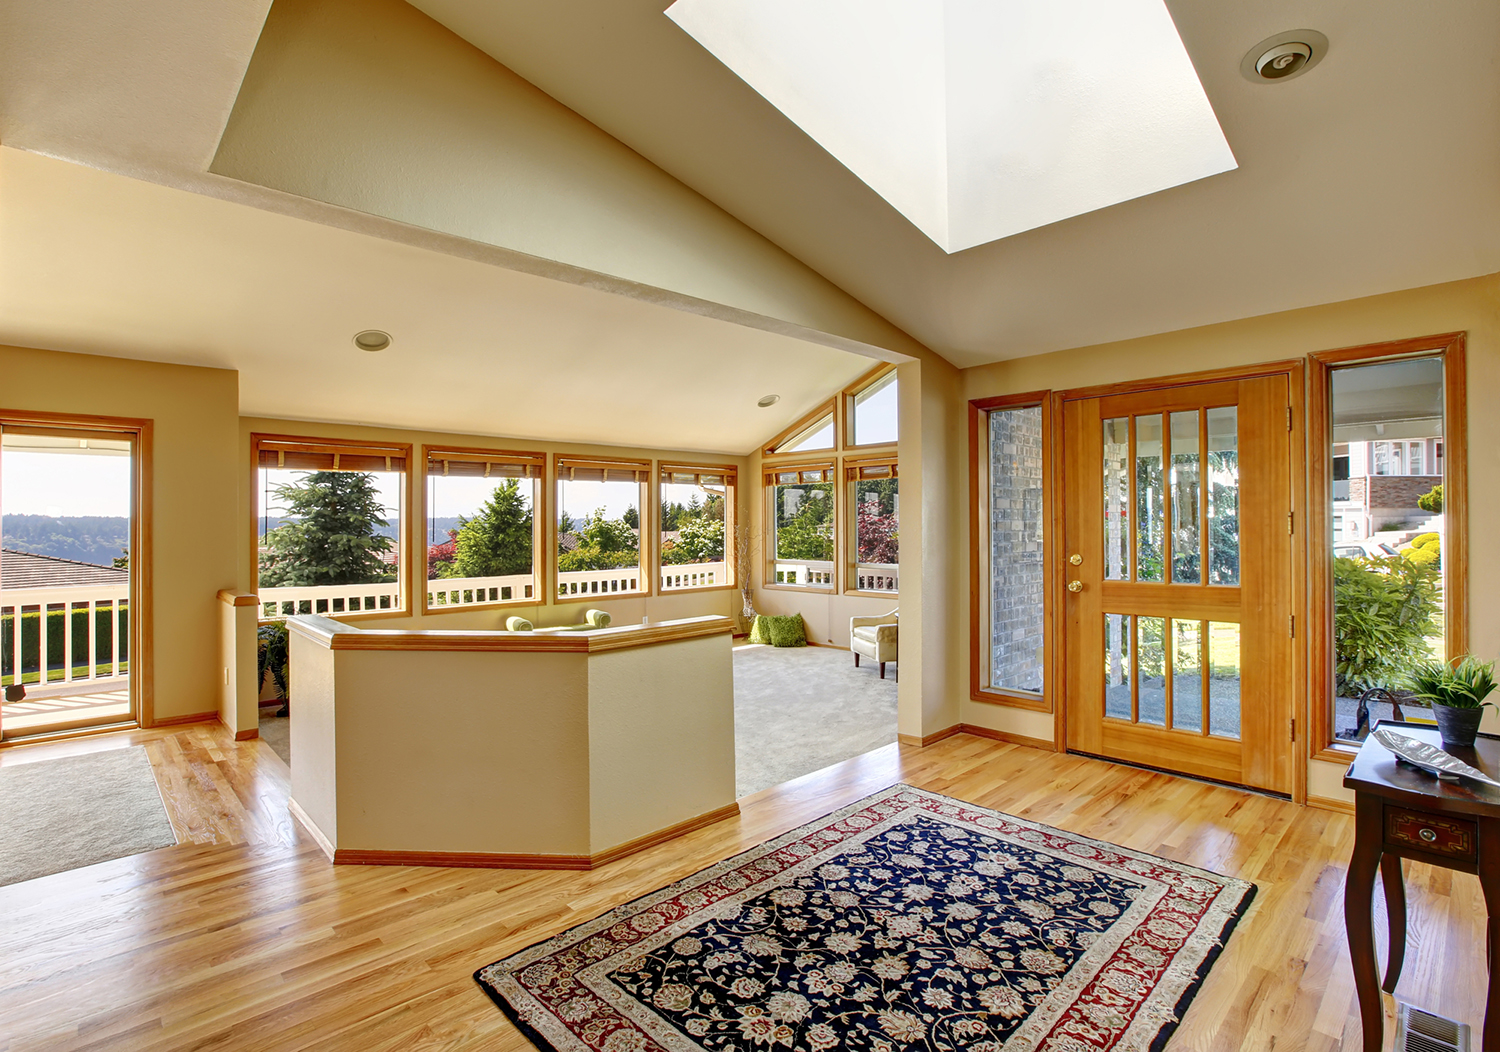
372,340
1284,56
768,401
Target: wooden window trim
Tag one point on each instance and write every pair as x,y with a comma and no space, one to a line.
142,531
854,390
850,470
405,568
472,454
805,423
649,537
731,475
1451,347
979,528
830,466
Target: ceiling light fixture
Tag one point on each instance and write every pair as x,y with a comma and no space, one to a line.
768,401
1284,56
372,340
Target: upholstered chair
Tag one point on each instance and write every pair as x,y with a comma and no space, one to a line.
875,638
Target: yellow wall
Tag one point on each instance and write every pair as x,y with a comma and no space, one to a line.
196,484
546,611
1472,306
371,105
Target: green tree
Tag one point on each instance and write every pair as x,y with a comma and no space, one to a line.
1432,500
496,542
565,523
701,540
1384,610
332,537
805,533
603,544
631,518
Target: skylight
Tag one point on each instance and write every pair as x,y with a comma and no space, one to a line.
978,119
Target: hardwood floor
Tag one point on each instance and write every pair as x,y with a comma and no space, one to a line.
245,937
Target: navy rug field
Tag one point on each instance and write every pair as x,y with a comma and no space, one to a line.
908,920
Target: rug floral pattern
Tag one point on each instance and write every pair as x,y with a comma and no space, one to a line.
907,921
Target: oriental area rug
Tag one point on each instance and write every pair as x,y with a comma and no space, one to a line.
907,920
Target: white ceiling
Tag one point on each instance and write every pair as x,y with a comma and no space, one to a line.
98,262
1378,170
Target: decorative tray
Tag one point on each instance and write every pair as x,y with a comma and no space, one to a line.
1429,758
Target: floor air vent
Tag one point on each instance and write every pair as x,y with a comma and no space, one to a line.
1419,1031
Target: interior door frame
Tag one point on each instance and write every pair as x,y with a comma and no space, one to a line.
142,663
1295,371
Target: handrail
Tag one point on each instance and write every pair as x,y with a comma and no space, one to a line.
334,635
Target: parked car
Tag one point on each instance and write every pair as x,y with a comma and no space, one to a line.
1368,549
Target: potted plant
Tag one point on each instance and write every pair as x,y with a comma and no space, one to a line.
1457,690
273,654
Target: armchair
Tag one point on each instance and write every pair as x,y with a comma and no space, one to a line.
875,638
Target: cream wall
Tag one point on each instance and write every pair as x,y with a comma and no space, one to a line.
547,611
1472,306
374,106
197,478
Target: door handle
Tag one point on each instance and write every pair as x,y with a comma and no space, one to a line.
1075,559
1075,586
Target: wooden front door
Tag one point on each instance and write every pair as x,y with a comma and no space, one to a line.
1178,562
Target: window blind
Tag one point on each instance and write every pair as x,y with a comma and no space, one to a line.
589,469
315,456
499,464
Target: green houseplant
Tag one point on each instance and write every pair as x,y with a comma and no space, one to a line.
273,652
1457,690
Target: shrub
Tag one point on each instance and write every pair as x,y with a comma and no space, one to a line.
1420,556
1432,500
1427,540
1383,612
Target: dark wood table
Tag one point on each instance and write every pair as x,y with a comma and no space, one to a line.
1401,812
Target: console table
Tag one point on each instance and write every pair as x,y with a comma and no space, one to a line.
1401,812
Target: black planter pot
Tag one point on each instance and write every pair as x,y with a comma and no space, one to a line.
1457,726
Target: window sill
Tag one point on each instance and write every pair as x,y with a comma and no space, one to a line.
1014,701
855,593
804,589
489,604
594,597
662,593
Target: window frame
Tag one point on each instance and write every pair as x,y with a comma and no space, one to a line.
979,410
540,504
851,468
1450,347
647,542
829,465
731,521
885,373
804,425
405,531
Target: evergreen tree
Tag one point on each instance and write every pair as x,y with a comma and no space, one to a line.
603,544
805,534
331,538
565,523
631,518
497,542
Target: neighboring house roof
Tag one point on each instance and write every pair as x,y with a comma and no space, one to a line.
28,570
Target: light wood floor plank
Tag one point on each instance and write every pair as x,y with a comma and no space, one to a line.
245,937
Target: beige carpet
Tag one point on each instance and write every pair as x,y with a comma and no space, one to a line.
276,731
57,815
798,710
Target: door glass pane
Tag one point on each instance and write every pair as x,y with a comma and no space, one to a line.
1224,679
1149,502
1117,499
1016,570
1185,498
1223,496
1151,670
1187,675
1117,666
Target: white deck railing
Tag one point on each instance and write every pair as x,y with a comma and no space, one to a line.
694,575
329,599
877,577
106,663
805,574
471,591
599,582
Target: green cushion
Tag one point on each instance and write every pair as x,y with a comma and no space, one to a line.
596,618
517,624
760,631
785,631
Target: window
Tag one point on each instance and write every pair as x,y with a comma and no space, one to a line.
1397,596
802,516
813,432
1009,606
697,522
873,412
599,506
875,510
481,527
329,526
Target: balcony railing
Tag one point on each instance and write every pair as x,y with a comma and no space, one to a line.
471,591
694,575
598,582
83,639
877,577
803,574
329,599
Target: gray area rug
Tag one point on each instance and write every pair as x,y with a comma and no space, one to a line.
798,710
57,815
276,731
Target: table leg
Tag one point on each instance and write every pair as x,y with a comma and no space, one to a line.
1489,880
1359,925
1395,910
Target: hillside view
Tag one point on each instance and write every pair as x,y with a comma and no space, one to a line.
98,539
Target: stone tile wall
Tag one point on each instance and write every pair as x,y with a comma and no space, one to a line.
1015,538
